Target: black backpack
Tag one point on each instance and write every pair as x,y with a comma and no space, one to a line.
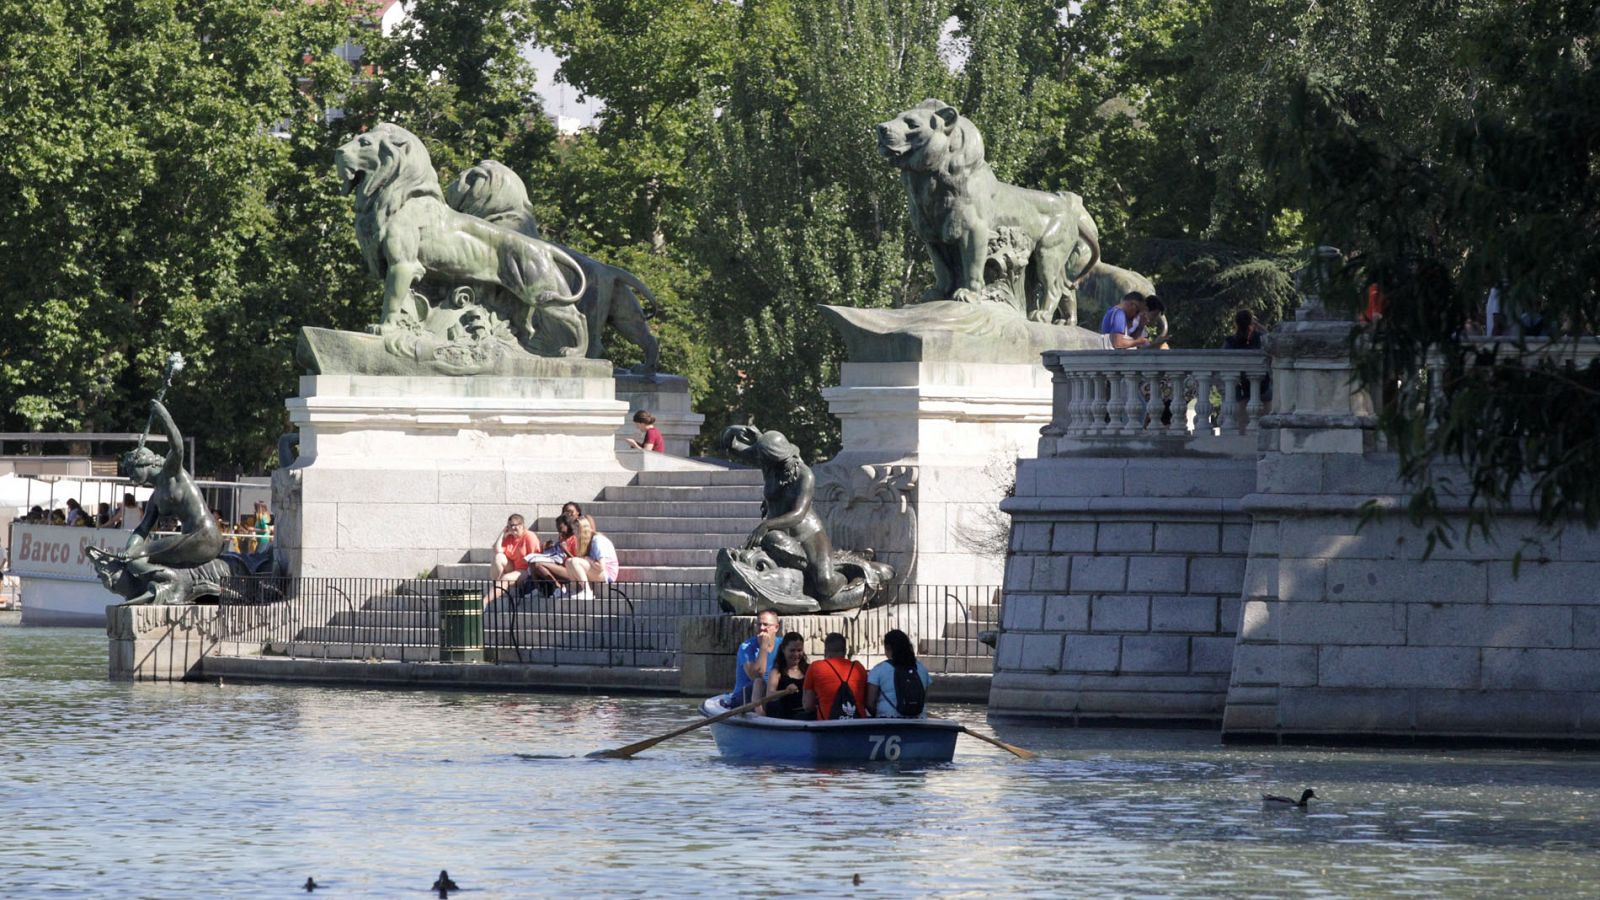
909,691
844,699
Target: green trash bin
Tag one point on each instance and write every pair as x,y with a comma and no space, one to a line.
460,626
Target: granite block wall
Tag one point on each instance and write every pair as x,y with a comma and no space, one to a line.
1122,588
1348,630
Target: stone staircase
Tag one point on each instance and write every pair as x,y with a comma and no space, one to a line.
639,632
667,526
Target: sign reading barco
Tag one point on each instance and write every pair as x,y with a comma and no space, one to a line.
56,551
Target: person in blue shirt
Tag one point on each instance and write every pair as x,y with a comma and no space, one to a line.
882,696
1121,321
757,655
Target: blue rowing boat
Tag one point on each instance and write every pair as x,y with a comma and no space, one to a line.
765,739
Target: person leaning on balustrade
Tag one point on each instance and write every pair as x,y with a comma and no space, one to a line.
1120,321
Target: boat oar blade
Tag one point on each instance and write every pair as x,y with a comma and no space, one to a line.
1013,750
637,747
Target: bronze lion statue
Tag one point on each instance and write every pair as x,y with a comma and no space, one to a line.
490,190
986,237
408,234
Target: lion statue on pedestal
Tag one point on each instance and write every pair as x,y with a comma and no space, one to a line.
987,239
490,190
411,238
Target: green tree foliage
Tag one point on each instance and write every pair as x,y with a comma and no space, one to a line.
453,74
142,196
798,208
1502,186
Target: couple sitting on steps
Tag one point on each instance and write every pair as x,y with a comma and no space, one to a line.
579,556
834,687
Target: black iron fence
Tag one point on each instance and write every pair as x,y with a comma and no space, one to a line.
632,624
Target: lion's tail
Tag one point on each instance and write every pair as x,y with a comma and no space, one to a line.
1091,236
631,280
564,259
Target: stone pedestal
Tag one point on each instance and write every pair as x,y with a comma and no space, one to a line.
159,643
936,403
397,474
667,398
928,452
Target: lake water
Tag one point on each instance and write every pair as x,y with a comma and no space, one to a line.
200,790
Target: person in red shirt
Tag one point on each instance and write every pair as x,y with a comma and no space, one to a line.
646,424
826,676
511,556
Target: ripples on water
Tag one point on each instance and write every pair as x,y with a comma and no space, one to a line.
196,790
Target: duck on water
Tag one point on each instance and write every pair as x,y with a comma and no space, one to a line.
1274,799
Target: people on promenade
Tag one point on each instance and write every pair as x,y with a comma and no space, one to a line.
652,439
263,527
790,669
127,515
755,657
511,554
1246,336
1153,325
897,688
1120,321
595,561
835,687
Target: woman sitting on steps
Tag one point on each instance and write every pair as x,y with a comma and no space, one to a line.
595,561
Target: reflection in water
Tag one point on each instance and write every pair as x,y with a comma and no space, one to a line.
245,790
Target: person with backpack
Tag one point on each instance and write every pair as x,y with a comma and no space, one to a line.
897,688
835,686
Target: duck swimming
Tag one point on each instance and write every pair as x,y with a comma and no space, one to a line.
1305,795
444,883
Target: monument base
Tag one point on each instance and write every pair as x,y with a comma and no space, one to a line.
398,474
929,450
159,643
667,398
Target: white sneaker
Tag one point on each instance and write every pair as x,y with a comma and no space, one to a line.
585,594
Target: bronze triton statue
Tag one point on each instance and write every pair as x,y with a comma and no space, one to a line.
788,564
175,568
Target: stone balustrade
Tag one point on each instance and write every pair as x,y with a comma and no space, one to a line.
1207,400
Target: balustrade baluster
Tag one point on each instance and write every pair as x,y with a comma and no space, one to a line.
1152,404
1180,404
1229,423
1253,410
1132,403
1202,403
1100,387
1079,407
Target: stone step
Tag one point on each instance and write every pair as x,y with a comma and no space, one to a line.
667,574
704,477
632,559
662,540
606,512
332,635
654,618
966,665
643,659
934,648
635,493
677,520
638,598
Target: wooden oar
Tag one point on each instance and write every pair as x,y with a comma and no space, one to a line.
631,749
1015,751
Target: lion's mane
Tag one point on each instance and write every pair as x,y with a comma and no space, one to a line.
405,171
